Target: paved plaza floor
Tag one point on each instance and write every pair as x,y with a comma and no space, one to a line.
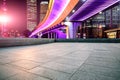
61,61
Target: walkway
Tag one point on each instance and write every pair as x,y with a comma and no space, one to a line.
61,61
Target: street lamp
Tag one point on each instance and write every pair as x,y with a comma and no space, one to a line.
3,21
3,18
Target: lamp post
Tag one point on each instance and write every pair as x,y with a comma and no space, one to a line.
3,21
3,18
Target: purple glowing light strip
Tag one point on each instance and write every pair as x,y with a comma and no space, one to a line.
97,9
57,9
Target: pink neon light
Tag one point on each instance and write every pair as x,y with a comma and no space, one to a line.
4,19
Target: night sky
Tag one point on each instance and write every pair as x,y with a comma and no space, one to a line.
17,13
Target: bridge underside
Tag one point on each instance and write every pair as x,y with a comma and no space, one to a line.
90,8
59,10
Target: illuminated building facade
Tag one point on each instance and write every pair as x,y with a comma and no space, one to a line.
105,24
31,14
36,10
43,9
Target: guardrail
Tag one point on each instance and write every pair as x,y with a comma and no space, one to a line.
92,40
6,42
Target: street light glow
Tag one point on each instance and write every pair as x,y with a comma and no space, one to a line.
4,19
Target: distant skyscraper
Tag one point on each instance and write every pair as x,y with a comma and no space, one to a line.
43,9
36,10
31,14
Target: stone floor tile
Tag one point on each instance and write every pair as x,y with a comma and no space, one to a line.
69,61
107,64
8,60
61,61
103,54
83,75
2,56
7,71
83,58
25,64
50,74
22,75
101,71
61,67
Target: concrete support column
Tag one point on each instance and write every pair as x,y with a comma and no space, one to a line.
54,35
76,25
67,32
51,35
48,35
72,29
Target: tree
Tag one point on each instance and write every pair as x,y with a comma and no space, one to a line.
26,33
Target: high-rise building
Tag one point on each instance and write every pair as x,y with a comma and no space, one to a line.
105,24
36,10
31,14
43,9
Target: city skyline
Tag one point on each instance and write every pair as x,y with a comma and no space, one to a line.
17,10
36,11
